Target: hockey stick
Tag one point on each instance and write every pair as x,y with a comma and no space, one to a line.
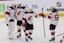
60,34
43,25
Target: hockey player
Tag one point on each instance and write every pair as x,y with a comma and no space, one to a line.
10,22
19,14
28,17
61,41
29,23
54,21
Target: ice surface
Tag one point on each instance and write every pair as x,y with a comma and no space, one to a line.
38,33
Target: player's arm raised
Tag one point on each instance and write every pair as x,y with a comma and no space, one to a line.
40,15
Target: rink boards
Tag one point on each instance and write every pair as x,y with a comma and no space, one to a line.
60,14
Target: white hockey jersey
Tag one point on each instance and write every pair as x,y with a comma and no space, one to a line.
54,18
20,13
29,17
11,12
9,15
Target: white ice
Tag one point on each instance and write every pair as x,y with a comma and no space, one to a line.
38,33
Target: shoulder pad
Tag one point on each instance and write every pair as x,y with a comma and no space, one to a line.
32,12
11,7
28,12
21,7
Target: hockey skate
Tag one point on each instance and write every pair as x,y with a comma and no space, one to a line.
30,38
61,41
19,36
26,39
52,39
11,37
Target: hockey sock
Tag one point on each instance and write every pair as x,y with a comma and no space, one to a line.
24,30
62,38
26,34
53,34
30,33
19,30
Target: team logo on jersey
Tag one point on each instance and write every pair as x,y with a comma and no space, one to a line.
58,4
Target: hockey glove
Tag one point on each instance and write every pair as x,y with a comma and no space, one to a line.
49,17
42,15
